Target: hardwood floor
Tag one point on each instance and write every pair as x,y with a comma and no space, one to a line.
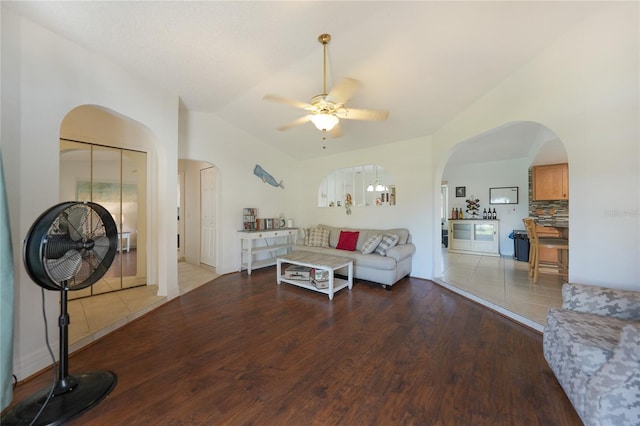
242,350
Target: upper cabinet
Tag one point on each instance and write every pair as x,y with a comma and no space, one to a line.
551,182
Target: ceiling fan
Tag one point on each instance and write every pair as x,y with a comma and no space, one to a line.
326,110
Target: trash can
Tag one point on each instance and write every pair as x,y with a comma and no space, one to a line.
520,245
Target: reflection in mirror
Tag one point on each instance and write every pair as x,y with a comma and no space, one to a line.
504,195
116,179
368,185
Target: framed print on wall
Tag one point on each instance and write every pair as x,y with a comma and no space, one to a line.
461,191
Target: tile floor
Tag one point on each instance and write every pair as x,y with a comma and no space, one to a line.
96,316
503,284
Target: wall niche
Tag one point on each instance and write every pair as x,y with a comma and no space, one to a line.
367,185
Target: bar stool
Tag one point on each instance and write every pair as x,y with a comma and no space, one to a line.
561,267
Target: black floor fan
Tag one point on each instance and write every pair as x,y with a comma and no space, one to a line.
69,247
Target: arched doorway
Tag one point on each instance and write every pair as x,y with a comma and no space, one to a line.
501,157
103,158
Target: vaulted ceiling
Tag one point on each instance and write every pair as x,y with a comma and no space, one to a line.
424,62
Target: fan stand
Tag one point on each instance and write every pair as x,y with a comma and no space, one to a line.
72,395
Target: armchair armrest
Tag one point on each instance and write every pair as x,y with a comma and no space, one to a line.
622,304
613,392
401,251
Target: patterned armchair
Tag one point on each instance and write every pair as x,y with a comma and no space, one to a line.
592,345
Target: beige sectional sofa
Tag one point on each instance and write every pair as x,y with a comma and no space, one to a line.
386,269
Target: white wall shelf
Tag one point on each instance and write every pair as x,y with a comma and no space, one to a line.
259,249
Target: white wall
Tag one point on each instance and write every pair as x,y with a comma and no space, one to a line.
204,137
478,178
408,163
43,78
585,89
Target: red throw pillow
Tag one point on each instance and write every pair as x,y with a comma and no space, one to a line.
348,240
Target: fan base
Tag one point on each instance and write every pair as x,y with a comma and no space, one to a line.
91,388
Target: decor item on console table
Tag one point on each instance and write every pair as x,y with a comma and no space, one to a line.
249,217
274,242
474,236
381,256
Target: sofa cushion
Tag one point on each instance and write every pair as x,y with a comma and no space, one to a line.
388,241
372,261
348,240
402,233
623,304
587,339
334,234
316,237
371,244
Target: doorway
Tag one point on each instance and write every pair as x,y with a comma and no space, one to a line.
208,216
115,178
501,157
198,209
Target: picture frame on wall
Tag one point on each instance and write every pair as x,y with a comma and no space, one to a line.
461,191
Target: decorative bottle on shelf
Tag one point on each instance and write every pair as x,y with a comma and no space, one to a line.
494,215
453,214
484,214
460,214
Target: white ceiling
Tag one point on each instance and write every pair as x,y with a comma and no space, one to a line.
424,62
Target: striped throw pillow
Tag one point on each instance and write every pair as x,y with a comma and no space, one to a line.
371,244
388,241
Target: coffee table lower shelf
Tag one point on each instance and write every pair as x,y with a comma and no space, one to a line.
327,263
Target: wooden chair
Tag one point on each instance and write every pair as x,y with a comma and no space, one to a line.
561,267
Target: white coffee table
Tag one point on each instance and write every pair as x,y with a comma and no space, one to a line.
317,261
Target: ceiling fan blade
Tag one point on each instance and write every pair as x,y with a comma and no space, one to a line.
297,122
287,101
336,132
343,91
362,114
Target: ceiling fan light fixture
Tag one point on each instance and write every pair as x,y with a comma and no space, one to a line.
324,122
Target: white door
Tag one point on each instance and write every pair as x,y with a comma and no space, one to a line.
181,216
208,216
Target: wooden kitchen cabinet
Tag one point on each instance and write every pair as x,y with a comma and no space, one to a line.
551,182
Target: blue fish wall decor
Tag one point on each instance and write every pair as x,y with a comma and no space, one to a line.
266,177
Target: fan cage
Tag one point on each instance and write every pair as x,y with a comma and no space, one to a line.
70,246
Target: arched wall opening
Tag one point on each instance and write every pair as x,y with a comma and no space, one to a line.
500,157
106,128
